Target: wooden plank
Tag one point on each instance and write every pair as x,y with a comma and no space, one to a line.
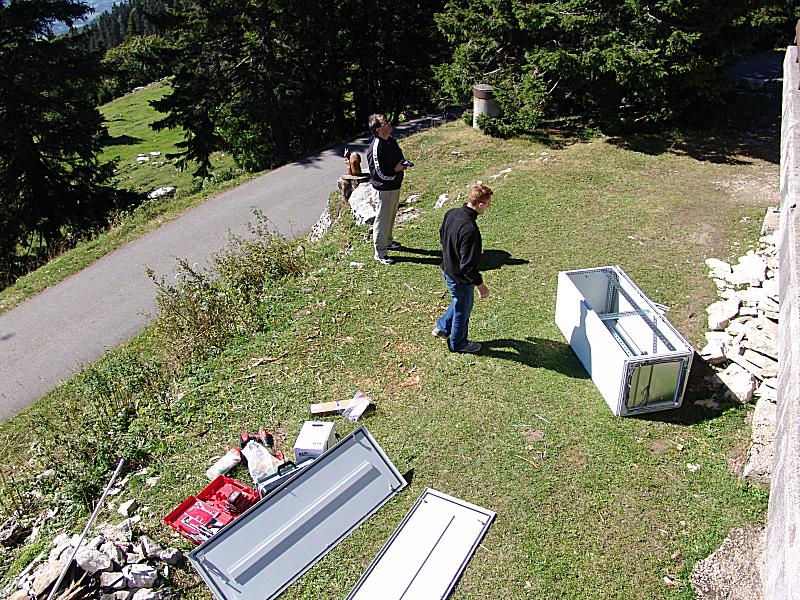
331,408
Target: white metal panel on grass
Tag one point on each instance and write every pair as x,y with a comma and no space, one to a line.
262,552
428,552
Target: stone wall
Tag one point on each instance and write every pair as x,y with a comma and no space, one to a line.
782,572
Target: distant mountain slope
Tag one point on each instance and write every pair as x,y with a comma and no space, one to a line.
99,6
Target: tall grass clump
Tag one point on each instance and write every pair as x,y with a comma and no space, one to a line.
118,407
239,295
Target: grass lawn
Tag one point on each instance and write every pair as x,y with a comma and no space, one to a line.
588,505
128,121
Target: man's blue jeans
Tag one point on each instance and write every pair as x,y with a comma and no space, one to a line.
455,320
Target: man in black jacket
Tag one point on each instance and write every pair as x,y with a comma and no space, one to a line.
461,255
386,166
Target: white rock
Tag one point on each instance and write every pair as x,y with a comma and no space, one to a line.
118,595
718,265
754,370
765,362
413,198
92,561
741,326
139,576
363,202
503,173
766,392
713,352
114,552
171,556
407,214
761,343
162,191
112,580
126,509
721,313
46,575
740,383
150,548
441,201
718,336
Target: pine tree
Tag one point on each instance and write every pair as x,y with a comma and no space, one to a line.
52,184
618,62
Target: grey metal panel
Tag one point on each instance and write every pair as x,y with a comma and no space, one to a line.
426,555
265,550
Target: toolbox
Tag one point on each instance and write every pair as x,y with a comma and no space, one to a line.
199,517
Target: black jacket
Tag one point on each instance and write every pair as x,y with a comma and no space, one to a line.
383,156
461,245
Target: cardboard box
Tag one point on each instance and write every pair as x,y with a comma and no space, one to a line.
314,438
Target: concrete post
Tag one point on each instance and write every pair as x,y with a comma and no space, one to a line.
483,103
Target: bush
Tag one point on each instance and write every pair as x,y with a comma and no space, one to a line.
207,308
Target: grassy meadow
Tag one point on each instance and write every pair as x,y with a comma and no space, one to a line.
588,505
128,122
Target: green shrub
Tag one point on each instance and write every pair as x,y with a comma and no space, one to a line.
205,309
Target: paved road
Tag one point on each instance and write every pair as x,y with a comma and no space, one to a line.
56,333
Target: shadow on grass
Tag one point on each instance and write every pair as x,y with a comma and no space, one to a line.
536,352
121,140
751,131
490,260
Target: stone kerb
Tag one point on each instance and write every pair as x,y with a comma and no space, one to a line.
782,569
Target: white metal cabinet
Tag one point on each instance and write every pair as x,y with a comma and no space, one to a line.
634,355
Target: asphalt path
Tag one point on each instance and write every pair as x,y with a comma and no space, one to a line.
58,332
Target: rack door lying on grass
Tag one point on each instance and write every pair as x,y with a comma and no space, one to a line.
634,355
425,557
262,552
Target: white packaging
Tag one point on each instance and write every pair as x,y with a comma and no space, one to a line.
260,462
315,437
229,460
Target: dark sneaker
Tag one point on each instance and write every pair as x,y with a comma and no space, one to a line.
394,246
470,348
439,333
385,260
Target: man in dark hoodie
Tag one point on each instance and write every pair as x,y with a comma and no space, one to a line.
461,255
386,166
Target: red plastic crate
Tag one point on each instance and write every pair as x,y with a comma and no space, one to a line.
199,517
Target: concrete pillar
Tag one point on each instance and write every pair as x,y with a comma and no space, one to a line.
483,103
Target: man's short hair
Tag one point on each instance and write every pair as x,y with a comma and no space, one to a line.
375,121
478,192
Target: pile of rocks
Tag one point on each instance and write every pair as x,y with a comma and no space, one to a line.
110,566
743,343
744,323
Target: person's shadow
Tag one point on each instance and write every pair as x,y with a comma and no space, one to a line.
490,259
536,352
